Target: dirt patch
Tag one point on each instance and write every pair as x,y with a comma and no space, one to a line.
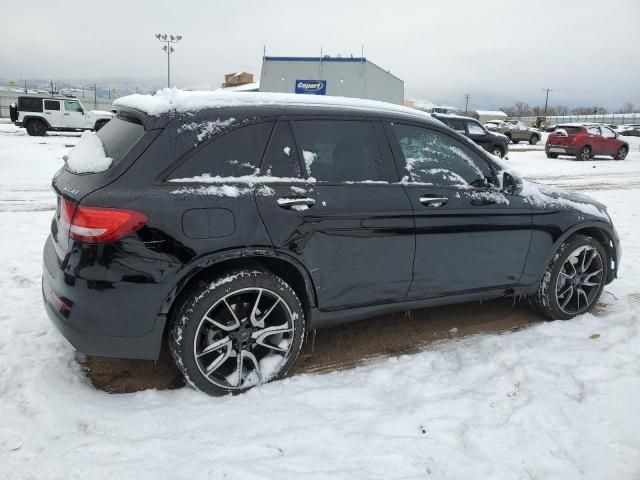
340,347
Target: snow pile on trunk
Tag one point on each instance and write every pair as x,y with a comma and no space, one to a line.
173,99
88,156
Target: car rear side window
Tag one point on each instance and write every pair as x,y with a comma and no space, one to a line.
434,158
30,104
339,150
281,159
457,125
234,154
118,136
51,105
570,130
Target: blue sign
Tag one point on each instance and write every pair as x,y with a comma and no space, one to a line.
311,87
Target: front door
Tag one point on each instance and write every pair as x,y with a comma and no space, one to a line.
478,134
74,116
332,200
469,236
52,112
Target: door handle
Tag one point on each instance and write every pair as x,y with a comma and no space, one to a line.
67,114
296,202
47,113
433,201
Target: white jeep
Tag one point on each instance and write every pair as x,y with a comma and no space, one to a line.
41,114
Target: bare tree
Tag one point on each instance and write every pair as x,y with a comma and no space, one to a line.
628,107
522,109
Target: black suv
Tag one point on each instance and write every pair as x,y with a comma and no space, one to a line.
492,142
232,229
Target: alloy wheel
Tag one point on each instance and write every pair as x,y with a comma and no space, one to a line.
497,152
579,280
244,338
585,154
622,153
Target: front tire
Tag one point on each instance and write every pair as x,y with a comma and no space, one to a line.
552,155
36,128
534,139
621,154
236,331
100,124
497,151
574,280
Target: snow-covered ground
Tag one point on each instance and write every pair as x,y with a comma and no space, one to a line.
557,400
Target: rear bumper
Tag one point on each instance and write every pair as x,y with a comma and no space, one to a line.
121,319
560,149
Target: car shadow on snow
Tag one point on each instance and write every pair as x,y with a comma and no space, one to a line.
336,348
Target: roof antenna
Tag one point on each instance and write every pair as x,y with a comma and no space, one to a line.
361,53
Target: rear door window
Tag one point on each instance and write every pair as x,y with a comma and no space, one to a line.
457,124
434,158
281,159
475,128
51,105
235,154
337,151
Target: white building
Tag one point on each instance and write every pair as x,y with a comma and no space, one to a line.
338,76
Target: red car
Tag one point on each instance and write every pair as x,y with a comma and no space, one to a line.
585,141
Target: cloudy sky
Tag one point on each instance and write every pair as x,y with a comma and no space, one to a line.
587,51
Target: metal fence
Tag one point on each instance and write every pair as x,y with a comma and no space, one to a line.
607,118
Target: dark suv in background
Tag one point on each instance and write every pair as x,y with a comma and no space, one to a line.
494,143
231,225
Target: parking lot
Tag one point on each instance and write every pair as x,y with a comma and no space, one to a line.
445,392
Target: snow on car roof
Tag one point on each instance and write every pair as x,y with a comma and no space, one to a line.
173,99
571,125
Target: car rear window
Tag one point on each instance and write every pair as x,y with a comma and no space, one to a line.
119,135
570,130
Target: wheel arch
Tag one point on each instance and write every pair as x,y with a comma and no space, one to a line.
278,263
29,118
601,232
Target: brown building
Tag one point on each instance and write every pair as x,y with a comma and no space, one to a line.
236,79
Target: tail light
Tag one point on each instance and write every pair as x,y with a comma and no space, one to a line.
98,224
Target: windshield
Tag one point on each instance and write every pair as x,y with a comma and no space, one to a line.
118,136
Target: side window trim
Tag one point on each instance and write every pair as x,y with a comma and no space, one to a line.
399,159
163,177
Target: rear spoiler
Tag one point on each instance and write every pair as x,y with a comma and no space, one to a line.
149,122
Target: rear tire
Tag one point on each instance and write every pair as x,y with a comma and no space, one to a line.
237,330
36,128
574,280
552,155
515,141
621,154
534,139
584,153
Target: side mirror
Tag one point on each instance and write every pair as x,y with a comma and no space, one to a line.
511,184
81,111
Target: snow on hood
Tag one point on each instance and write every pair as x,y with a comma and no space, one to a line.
102,113
88,156
173,99
539,195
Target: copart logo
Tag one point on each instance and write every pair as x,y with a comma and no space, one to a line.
313,87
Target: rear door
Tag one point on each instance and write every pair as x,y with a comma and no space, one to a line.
52,112
74,116
333,201
469,236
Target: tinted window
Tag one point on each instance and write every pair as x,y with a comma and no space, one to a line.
118,136
281,159
475,128
234,154
570,130
339,151
593,130
437,159
457,125
71,106
51,105
30,104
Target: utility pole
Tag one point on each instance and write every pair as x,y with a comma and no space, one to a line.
168,40
466,104
546,102
95,97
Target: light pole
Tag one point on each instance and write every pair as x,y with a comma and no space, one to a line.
168,40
